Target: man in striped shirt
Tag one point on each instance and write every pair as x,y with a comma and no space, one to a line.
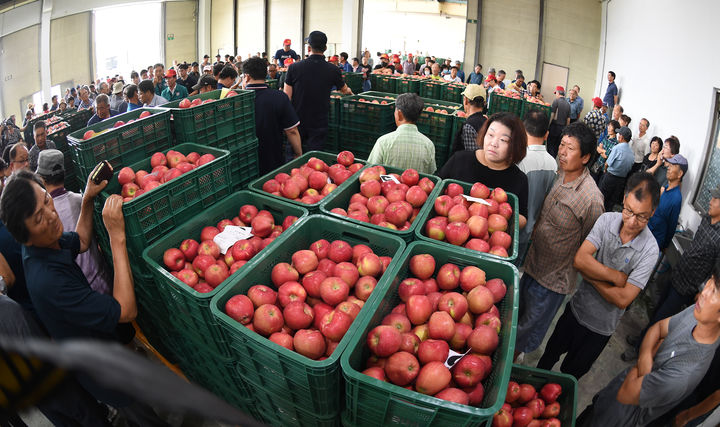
405,147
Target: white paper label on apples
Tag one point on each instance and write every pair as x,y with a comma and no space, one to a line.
476,200
230,235
454,357
385,178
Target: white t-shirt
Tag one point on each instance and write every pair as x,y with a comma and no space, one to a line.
640,146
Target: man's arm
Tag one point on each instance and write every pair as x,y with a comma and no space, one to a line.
288,90
567,121
293,137
615,98
629,393
346,90
591,269
123,289
6,272
701,408
84,226
621,297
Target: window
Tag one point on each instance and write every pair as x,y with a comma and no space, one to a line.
710,177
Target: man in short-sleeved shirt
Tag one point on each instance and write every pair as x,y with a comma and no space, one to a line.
677,368
561,118
282,54
625,250
611,94
308,84
274,115
595,118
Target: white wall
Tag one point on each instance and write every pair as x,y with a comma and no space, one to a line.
665,58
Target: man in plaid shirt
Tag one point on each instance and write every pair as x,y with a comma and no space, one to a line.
405,147
568,214
595,119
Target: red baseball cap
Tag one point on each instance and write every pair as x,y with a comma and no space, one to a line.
597,102
287,42
490,77
384,56
410,55
334,58
559,89
170,73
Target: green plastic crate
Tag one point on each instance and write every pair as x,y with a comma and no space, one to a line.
341,199
191,308
458,123
431,89
72,182
428,211
243,161
77,118
332,142
407,85
539,377
123,145
530,106
334,114
161,210
272,83
371,402
360,142
206,123
438,127
499,103
293,379
366,115
380,95
386,83
354,81
328,158
452,92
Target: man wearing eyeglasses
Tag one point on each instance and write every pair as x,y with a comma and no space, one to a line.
615,261
19,158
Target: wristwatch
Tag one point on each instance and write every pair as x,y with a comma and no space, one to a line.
3,286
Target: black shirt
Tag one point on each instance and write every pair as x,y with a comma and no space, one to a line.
273,115
312,80
189,82
281,56
464,166
12,251
476,120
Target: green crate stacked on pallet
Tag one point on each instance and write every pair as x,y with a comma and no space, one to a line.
458,123
132,142
528,106
408,85
386,83
354,81
328,158
431,89
57,133
539,377
77,118
341,199
310,388
452,92
227,123
272,83
193,307
428,212
499,103
380,95
332,140
438,126
371,402
363,122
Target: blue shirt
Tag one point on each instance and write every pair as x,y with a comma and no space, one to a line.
610,94
96,119
131,106
461,74
620,160
575,108
664,222
475,79
347,67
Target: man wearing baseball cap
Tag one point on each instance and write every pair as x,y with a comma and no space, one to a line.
384,62
560,118
408,65
473,104
664,222
206,83
173,91
117,102
308,84
282,54
595,119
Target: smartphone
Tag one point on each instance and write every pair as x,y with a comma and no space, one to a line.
102,172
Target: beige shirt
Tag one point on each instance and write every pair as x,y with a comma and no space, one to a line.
568,214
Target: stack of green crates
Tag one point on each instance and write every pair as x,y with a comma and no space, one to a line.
452,92
531,106
408,85
438,127
458,123
362,123
77,118
500,103
371,402
132,142
332,140
539,377
386,83
59,138
272,83
227,123
293,389
354,81
431,89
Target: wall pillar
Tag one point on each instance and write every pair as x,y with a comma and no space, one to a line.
45,78
203,28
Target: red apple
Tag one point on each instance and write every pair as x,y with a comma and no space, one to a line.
480,299
345,158
282,339
469,371
471,277
364,287
126,176
261,295
433,378
268,319
441,326
433,350
309,343
454,304
422,266
209,233
174,259
240,308
448,277
334,290
335,324
340,251
384,340
456,395
550,392
283,272
483,339
289,292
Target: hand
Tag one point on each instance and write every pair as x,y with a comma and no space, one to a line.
681,419
620,279
92,189
113,215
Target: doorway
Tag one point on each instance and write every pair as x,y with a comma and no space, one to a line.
552,76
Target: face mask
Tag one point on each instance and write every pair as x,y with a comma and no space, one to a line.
426,72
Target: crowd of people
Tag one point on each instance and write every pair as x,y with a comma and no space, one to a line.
594,201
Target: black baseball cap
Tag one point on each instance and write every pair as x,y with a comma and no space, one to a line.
317,40
182,66
206,57
205,80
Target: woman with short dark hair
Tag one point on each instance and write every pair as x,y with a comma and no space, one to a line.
503,143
